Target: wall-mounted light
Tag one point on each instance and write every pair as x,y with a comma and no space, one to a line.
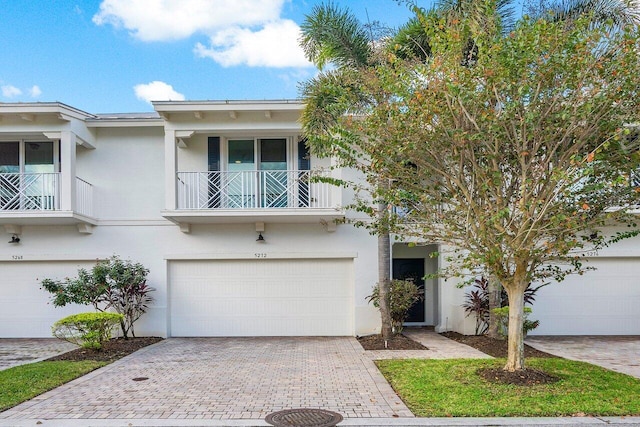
260,230
14,239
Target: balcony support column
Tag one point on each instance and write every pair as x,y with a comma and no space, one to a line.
170,169
67,184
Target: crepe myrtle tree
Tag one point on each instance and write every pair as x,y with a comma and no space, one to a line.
497,17
517,162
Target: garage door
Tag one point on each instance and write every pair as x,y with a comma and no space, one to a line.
26,311
279,297
601,302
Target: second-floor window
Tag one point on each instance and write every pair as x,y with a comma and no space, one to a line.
28,157
28,175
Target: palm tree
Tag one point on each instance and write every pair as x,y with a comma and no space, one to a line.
334,35
490,17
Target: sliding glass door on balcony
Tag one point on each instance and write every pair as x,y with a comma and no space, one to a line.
257,173
240,183
28,176
273,181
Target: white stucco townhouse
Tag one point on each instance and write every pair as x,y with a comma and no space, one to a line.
215,199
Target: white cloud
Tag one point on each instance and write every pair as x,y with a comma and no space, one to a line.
160,20
157,91
9,91
35,91
275,45
241,32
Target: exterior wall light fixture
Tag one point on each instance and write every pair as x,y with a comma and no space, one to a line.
14,239
260,239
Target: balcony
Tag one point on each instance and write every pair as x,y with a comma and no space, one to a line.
253,195
37,199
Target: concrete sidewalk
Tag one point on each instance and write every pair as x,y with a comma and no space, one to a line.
359,422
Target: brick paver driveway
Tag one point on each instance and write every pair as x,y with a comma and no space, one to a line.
223,378
618,353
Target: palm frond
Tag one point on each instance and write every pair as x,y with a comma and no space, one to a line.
615,13
480,16
412,42
334,35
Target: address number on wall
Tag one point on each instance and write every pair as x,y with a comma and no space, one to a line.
16,257
260,255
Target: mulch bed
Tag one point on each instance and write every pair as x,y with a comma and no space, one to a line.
398,342
526,377
112,350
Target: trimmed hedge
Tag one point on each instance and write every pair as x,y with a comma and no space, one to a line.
88,330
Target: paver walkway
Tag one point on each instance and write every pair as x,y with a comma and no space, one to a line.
618,353
439,348
18,351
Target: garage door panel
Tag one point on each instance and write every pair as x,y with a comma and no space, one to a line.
26,308
261,297
605,301
259,326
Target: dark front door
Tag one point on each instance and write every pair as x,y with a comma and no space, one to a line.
411,269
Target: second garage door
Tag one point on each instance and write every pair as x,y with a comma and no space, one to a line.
601,302
262,297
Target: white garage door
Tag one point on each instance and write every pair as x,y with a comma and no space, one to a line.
25,309
264,297
601,302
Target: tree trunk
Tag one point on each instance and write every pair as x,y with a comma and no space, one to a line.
495,301
384,273
515,356
383,284
124,330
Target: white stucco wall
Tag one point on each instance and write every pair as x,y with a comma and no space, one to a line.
127,173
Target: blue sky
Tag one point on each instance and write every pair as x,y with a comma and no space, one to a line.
105,56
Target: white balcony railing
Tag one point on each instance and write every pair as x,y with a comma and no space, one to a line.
84,197
252,190
29,191
40,192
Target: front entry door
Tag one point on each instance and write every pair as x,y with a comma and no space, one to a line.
412,269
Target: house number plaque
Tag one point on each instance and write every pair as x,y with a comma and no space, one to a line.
260,255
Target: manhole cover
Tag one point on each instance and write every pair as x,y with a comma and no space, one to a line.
303,418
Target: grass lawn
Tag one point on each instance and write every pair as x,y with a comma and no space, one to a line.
444,388
25,382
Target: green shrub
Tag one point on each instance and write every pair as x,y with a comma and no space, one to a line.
402,295
88,330
476,302
503,321
112,284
